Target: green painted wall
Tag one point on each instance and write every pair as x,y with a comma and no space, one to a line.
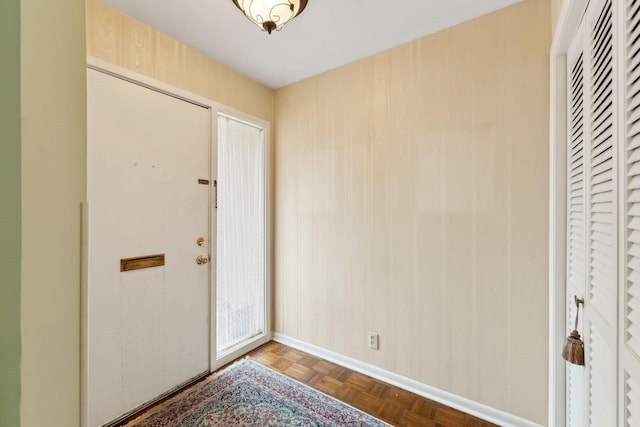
10,213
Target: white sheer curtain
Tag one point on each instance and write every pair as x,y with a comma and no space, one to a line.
241,233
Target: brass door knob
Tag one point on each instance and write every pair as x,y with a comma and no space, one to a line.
202,259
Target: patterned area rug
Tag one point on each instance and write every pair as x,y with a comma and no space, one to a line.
249,394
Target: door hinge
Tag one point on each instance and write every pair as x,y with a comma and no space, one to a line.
215,186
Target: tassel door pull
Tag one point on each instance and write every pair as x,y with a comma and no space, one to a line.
573,351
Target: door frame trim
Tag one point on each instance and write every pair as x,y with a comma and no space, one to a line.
214,108
568,23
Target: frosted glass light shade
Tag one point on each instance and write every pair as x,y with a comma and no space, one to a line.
270,14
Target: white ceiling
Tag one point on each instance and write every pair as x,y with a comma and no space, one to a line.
328,34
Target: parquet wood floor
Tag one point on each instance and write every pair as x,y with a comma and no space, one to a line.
386,402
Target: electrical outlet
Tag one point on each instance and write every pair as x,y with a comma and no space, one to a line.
374,342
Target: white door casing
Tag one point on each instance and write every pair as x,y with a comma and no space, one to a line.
214,111
147,330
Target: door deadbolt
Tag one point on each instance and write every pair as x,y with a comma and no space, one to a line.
200,241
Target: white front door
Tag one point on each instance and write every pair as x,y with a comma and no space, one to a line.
147,329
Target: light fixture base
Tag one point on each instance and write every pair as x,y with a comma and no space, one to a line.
270,15
269,26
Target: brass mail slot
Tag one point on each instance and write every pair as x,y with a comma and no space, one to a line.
140,262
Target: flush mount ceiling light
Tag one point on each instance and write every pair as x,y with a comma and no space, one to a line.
271,14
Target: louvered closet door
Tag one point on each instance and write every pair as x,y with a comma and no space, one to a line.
606,118
576,219
592,217
600,326
629,337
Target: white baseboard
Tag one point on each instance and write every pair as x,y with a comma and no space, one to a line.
449,399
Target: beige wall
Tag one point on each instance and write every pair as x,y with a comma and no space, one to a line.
53,99
118,39
411,200
556,5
